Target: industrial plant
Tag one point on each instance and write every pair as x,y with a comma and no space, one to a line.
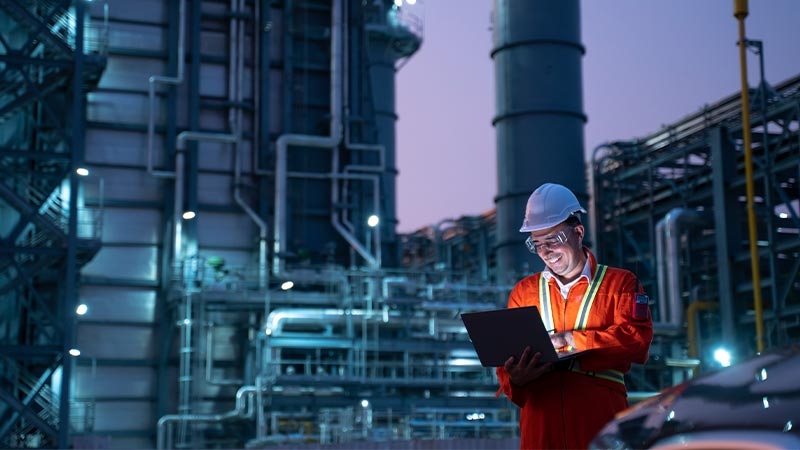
198,243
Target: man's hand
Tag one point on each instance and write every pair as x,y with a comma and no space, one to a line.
525,370
563,341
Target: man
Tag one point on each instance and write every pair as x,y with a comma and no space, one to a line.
588,306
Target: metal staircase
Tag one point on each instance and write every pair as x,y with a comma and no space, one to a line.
37,140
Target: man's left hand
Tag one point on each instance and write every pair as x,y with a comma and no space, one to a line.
563,340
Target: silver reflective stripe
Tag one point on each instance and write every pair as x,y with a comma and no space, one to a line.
588,298
586,303
544,306
611,375
581,321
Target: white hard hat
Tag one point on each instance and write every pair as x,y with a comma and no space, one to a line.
549,205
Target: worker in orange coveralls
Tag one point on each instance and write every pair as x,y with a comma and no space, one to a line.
588,306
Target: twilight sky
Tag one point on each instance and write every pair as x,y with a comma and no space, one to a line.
647,64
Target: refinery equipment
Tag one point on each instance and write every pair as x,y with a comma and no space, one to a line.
197,225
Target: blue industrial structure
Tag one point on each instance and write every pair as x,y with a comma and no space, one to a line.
217,235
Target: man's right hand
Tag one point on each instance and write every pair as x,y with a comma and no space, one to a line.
527,368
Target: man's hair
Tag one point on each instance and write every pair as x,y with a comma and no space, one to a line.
573,220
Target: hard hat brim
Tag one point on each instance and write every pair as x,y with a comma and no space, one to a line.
549,224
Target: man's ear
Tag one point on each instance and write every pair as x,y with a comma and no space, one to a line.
580,232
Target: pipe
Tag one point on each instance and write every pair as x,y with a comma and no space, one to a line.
336,90
243,409
373,262
332,142
285,140
179,155
336,175
740,12
668,231
661,283
235,118
177,213
387,281
151,92
278,317
235,93
350,146
376,194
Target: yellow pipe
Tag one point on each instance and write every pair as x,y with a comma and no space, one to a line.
740,12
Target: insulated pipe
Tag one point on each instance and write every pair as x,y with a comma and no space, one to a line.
279,317
242,409
740,11
668,260
661,284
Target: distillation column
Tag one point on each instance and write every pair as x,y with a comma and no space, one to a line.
539,121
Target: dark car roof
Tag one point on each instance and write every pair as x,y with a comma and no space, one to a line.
762,393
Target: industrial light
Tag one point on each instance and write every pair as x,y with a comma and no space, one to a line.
373,220
74,352
286,285
189,215
81,309
464,362
723,357
476,416
82,171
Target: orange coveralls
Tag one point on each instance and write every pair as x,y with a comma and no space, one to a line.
567,407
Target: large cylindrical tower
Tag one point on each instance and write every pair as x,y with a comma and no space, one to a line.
539,121
392,33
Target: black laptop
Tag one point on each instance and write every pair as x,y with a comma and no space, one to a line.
499,333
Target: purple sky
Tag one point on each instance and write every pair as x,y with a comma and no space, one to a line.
647,64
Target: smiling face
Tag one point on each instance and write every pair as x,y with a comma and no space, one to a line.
561,249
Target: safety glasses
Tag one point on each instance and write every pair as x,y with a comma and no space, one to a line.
550,243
